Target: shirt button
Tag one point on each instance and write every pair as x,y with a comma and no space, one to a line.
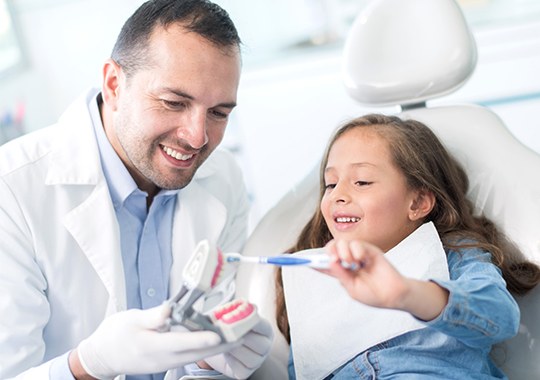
151,292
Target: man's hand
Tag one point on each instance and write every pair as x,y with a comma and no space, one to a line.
241,361
129,342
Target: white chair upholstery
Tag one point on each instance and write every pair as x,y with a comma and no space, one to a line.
404,53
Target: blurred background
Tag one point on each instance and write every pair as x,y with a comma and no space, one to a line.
291,96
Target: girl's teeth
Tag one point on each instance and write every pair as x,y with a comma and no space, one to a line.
347,220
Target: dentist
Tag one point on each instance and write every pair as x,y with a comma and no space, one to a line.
99,212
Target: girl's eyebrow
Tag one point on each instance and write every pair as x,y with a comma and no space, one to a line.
328,169
362,164
354,164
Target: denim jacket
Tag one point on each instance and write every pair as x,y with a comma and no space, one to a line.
456,344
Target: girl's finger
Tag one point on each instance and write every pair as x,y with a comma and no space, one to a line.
344,251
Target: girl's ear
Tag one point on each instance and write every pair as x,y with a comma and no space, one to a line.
422,204
112,77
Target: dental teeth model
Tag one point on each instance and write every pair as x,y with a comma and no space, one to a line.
235,319
203,272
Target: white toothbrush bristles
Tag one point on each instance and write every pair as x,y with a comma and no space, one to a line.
238,258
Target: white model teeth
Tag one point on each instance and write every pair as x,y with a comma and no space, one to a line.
174,154
347,220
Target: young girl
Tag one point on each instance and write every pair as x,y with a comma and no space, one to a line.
382,178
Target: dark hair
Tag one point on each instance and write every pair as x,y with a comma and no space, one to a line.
426,164
203,17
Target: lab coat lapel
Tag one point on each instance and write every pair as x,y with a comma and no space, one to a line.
92,221
198,215
94,226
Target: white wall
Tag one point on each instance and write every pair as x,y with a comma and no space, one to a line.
65,43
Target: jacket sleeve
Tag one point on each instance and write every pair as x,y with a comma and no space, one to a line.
23,303
480,310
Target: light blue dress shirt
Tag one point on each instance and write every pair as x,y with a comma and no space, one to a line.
145,236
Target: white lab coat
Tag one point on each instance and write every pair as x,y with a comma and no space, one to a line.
61,270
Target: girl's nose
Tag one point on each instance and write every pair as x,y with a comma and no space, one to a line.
340,193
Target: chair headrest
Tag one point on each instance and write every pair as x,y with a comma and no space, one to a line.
406,52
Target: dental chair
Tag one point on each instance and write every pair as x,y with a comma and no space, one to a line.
407,53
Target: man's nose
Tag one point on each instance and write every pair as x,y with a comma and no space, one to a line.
193,129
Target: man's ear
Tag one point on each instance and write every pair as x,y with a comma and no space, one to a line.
422,204
112,78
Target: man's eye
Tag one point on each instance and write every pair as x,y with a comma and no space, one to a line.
173,105
219,115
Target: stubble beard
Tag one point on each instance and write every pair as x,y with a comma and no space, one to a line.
174,178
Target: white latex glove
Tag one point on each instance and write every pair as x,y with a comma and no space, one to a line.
241,361
128,343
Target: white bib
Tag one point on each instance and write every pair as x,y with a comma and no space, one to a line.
328,327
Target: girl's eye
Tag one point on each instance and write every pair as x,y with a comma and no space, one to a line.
329,186
363,183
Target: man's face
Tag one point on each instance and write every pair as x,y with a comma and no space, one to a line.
168,117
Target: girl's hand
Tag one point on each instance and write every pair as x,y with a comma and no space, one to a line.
372,280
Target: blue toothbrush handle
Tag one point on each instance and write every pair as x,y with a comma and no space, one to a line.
287,261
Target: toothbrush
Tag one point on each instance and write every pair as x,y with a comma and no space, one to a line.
318,261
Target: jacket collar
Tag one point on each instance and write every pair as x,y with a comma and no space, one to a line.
75,157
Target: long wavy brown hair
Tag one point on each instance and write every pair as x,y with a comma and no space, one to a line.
426,164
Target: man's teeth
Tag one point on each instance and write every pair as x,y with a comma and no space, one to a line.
347,220
173,153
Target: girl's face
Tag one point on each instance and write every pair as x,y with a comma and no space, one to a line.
366,195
